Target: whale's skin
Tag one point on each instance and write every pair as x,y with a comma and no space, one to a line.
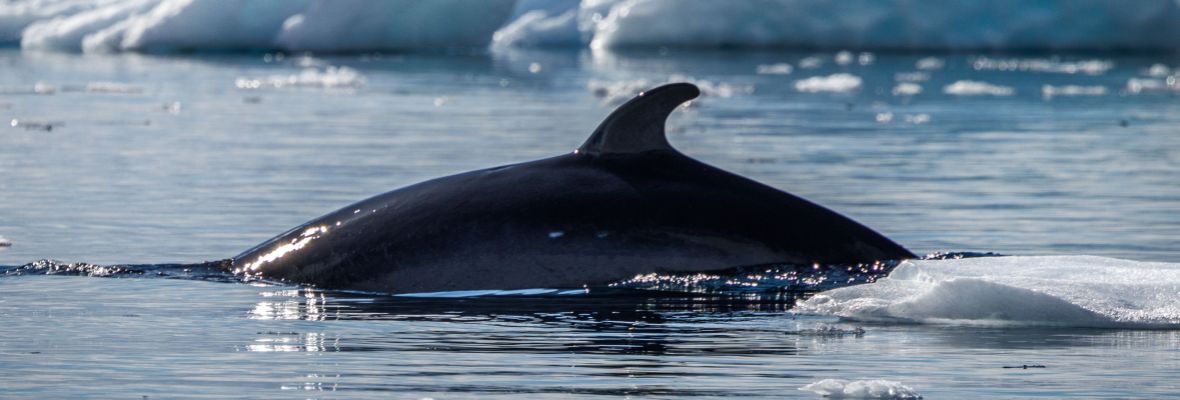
623,204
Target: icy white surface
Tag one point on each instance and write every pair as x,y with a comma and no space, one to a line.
1075,291
329,77
861,389
1088,67
1072,90
321,25
539,29
356,25
360,25
775,69
921,24
16,15
930,63
840,82
976,88
907,89
1137,85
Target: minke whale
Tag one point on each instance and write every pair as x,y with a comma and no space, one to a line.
624,203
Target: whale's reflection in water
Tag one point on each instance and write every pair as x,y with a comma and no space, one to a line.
620,323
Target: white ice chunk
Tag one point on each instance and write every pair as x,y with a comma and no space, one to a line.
976,88
1089,67
862,389
930,63
330,77
775,69
1072,90
1074,291
907,89
1158,71
840,82
1137,85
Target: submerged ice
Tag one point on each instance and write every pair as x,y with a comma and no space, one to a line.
1078,291
357,25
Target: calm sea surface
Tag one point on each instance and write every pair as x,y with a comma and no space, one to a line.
160,159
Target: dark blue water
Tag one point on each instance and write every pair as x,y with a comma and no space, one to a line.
161,159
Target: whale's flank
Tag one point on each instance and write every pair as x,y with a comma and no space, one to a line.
625,203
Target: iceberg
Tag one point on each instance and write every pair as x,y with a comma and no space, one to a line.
866,24
97,26
362,25
359,25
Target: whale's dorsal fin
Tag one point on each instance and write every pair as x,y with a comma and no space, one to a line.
638,125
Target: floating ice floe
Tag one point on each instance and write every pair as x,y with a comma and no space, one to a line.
930,63
1073,291
907,89
911,76
866,58
112,87
1072,90
330,77
4,242
1089,67
917,119
811,62
1137,85
840,82
775,69
843,57
1158,71
36,88
862,389
976,88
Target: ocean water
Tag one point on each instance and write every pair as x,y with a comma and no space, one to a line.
1066,162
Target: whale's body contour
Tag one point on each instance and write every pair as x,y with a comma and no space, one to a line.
625,203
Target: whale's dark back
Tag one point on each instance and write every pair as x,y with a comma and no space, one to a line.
623,204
